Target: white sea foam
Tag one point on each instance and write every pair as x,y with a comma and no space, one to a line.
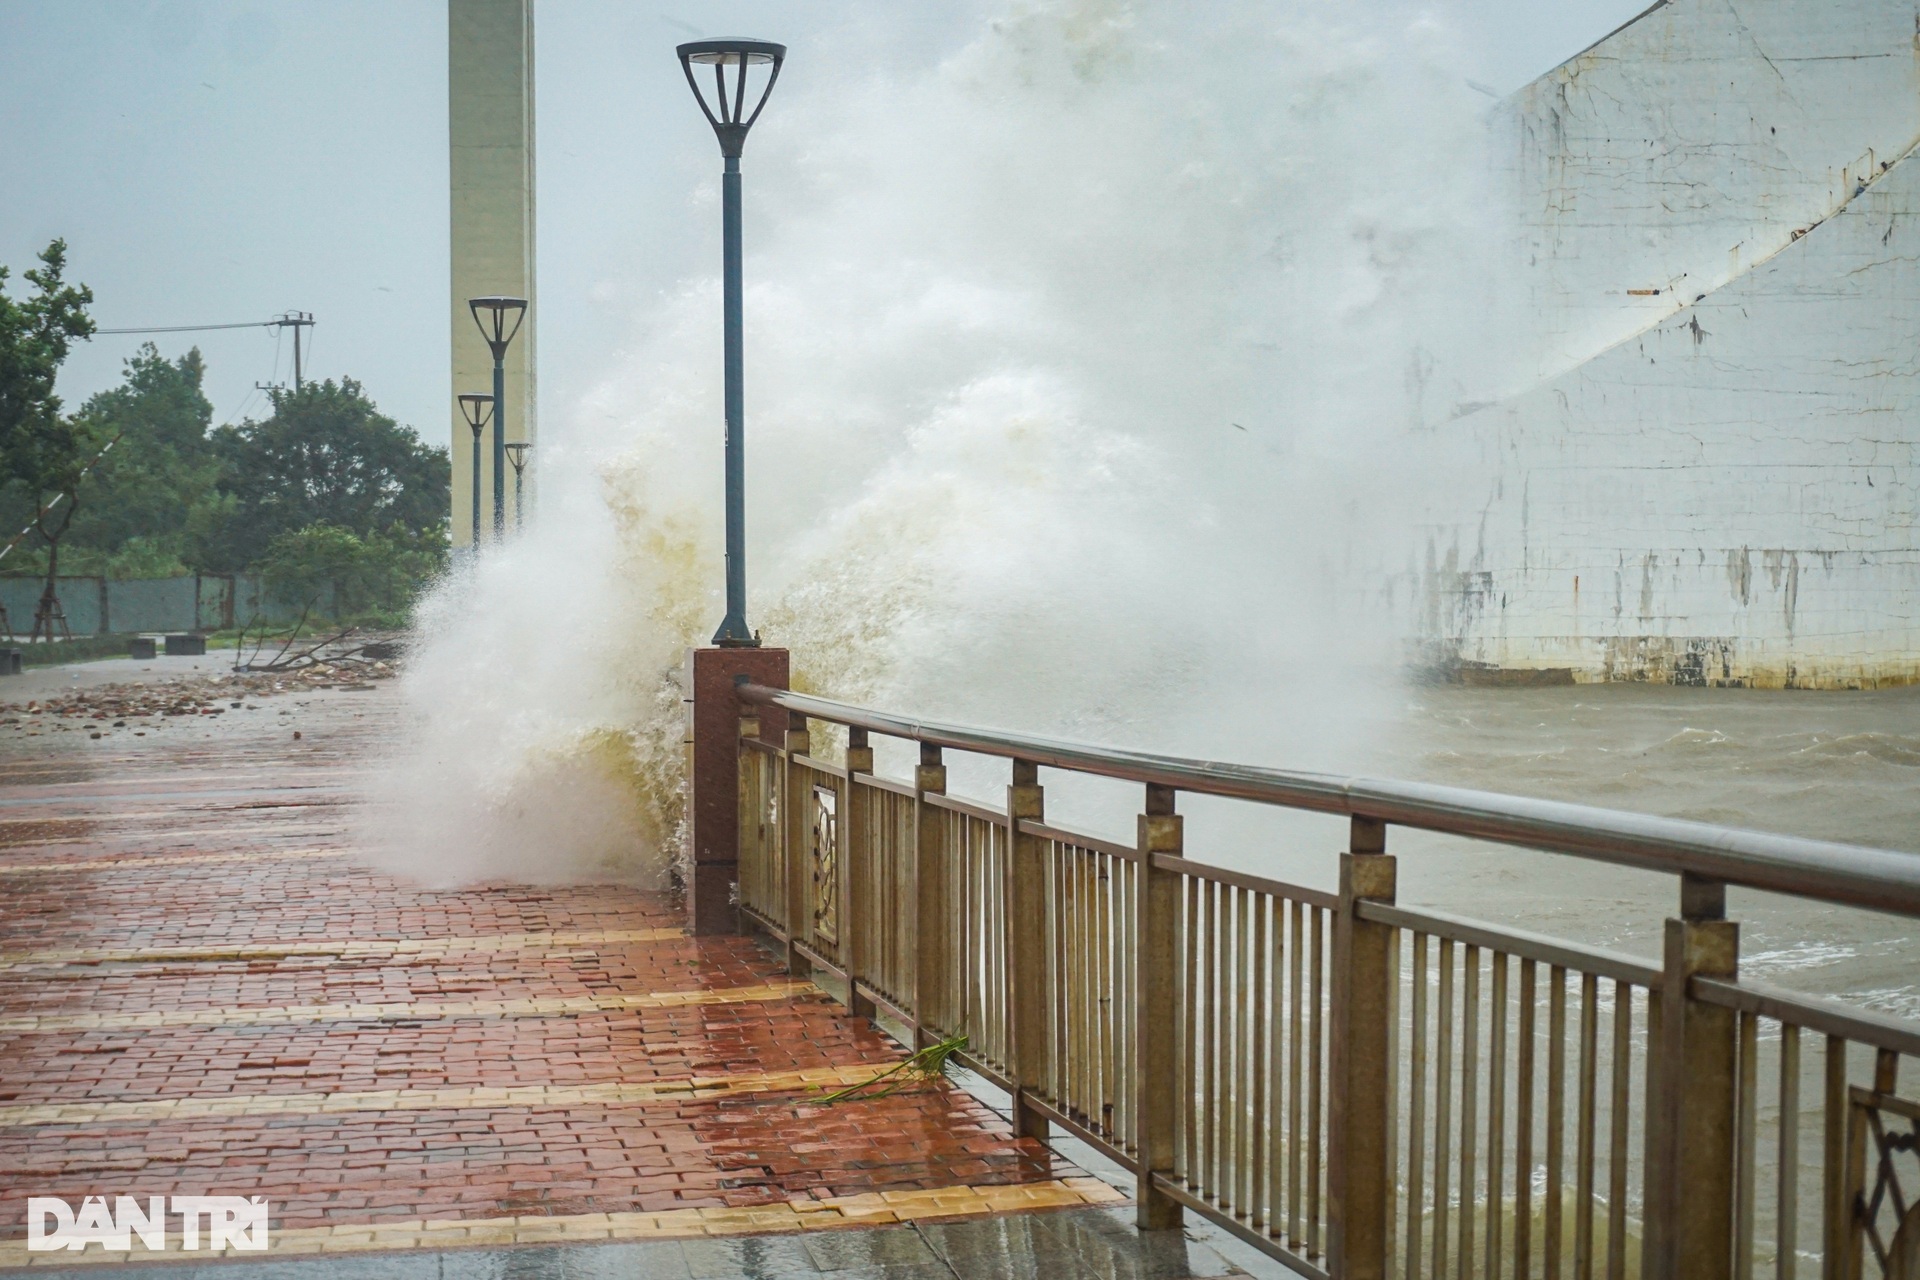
1087,371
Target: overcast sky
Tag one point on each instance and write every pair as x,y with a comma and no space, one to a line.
215,161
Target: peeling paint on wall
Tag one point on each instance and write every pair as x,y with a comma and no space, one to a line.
1719,211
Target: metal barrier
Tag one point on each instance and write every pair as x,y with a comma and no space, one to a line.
1358,1088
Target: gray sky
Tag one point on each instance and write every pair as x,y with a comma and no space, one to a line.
213,161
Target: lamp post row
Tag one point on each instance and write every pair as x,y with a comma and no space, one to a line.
499,319
731,119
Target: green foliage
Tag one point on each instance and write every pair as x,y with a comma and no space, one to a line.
923,1068
35,336
351,577
137,557
327,497
162,471
327,456
43,453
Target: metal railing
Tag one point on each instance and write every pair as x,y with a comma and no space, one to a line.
1356,1087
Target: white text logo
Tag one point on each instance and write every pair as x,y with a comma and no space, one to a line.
224,1222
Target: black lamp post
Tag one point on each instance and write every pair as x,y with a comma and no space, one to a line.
500,321
517,451
477,409
730,124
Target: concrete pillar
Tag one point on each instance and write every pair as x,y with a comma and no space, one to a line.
490,141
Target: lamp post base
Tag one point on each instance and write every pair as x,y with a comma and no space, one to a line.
733,634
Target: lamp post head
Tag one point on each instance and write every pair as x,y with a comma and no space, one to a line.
517,454
477,409
732,119
499,319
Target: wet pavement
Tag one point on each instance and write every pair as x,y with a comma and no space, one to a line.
1085,1244
205,990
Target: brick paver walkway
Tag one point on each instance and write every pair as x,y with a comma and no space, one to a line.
203,991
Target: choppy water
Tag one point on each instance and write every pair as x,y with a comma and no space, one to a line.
1837,766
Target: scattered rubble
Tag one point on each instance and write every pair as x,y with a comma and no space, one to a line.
149,705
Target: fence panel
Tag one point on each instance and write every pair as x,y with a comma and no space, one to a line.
1090,903
881,849
1530,1089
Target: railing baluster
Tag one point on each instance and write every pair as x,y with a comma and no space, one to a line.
1523,1129
932,918
1443,1115
1586,1154
797,815
1651,1112
1103,992
1209,1027
1743,1195
1836,1214
1359,1226
1497,1115
1316,1057
1236,1187
1417,1111
1556,1117
1296,1128
1787,1208
1617,1119
1155,1087
1690,1209
1083,1023
1256,1066
1469,1109
855,866
1189,1024
1026,979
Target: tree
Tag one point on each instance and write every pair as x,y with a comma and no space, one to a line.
350,576
163,468
46,454
327,456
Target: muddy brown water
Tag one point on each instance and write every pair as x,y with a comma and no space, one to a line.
1836,766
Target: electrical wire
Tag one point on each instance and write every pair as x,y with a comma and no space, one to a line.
197,328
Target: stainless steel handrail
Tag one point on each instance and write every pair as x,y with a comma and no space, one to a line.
1853,875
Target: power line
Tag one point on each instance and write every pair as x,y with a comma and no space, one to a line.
199,328
295,320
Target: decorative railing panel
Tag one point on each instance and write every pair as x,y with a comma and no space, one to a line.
763,855
1359,1088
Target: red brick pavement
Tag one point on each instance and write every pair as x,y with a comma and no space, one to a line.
87,813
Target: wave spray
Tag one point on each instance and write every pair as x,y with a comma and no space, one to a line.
1086,380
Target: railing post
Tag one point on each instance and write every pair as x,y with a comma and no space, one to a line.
1690,1200
930,893
1027,976
713,778
1156,1084
1360,1067
796,807
856,924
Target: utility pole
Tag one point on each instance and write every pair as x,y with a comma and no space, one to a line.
297,320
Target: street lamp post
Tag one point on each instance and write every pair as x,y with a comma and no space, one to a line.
730,124
477,409
498,326
517,451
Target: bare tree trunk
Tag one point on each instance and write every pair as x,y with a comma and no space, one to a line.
48,614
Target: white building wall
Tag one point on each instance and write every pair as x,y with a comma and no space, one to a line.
1714,479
